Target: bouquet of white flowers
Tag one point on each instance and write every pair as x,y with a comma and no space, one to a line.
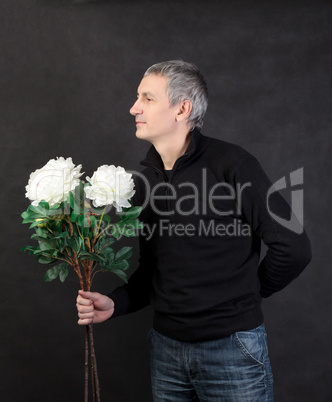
73,233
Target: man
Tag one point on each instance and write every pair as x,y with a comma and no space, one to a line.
199,267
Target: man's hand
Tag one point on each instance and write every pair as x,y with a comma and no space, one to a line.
93,307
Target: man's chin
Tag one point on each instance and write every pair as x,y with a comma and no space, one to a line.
140,134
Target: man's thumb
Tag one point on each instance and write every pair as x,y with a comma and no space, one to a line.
93,296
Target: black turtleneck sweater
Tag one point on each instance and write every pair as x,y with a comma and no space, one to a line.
199,262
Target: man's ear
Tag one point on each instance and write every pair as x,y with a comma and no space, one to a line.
184,110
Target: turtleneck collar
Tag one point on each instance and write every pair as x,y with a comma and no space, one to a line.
195,147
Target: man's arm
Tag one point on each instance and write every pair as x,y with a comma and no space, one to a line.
135,295
288,252
127,298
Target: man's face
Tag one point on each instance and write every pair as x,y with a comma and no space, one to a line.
155,119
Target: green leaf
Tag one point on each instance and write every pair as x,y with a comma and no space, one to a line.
43,259
71,199
37,223
45,246
93,221
25,215
40,231
55,207
84,255
61,235
28,248
106,218
117,230
51,274
60,269
63,273
43,206
134,224
124,253
131,213
80,220
40,238
103,245
109,253
121,274
78,198
41,211
33,209
73,243
121,265
74,217
30,216
128,232
47,254
121,228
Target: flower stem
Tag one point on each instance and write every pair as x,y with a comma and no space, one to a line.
79,232
95,380
86,365
98,229
104,230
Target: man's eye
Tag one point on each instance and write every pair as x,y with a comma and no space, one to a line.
149,99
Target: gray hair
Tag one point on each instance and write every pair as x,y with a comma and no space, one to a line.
185,81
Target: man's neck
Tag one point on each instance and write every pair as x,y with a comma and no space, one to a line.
173,149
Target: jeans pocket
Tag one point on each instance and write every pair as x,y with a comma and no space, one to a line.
251,345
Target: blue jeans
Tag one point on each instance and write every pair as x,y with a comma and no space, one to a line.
235,368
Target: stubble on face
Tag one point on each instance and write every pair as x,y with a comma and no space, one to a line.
154,116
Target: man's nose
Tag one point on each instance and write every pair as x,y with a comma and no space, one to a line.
135,109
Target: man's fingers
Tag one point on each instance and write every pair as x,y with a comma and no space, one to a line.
83,302
85,321
89,295
87,298
86,315
84,309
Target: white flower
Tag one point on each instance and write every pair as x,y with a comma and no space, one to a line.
110,185
53,181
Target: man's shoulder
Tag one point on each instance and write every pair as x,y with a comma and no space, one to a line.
227,153
225,146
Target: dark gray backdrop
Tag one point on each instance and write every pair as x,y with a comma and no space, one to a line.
69,72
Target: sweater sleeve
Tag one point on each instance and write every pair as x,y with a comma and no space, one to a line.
135,295
289,251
